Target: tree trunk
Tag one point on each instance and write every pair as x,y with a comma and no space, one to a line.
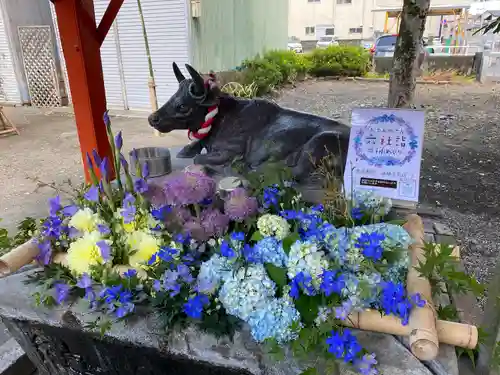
408,55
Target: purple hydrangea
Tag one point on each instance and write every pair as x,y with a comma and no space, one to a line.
240,206
214,222
188,187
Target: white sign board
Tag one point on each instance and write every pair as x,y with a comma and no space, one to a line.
385,152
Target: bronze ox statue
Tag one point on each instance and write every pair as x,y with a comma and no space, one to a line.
253,131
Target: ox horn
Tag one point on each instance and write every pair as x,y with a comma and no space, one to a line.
199,83
178,74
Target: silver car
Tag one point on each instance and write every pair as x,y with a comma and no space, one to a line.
327,41
295,45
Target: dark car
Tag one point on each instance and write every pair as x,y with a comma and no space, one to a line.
384,46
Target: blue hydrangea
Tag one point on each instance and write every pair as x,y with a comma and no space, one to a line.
212,273
269,250
247,291
370,202
307,257
274,321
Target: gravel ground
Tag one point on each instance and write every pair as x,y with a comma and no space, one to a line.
460,161
459,172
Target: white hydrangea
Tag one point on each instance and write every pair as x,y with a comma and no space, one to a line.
246,291
273,225
213,272
368,200
306,257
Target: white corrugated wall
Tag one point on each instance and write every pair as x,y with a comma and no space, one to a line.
9,90
123,54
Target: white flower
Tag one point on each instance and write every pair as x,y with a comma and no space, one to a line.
273,225
84,253
306,257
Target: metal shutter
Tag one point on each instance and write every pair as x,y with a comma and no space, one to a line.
110,53
166,24
9,91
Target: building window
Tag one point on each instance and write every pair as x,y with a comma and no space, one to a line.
313,1
344,1
356,30
330,31
310,30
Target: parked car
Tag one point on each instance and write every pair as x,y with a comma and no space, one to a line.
327,41
384,46
295,45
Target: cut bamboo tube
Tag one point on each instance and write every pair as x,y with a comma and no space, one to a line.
18,257
61,259
423,336
457,334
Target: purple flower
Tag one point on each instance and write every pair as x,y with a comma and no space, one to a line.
133,154
130,273
188,188
343,311
45,253
73,232
119,140
70,210
195,229
104,168
170,283
194,306
145,170
240,206
103,229
106,119
84,282
61,292
97,158
129,209
366,365
156,285
89,160
140,185
123,162
417,300
105,250
161,212
185,273
54,205
214,222
92,194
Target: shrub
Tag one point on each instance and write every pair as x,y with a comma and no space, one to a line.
339,61
264,73
239,90
290,64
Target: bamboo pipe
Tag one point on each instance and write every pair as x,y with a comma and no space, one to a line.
18,258
423,336
456,334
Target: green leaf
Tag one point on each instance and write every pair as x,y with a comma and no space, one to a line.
277,274
310,371
289,241
308,307
256,236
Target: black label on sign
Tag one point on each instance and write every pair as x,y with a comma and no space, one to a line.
379,183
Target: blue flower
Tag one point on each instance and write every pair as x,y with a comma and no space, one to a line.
161,212
104,168
145,170
170,284
89,161
238,236
92,195
226,250
105,250
53,227
54,205
331,282
300,282
371,244
366,364
85,282
271,196
103,229
185,273
344,346
356,213
106,119
119,140
97,158
269,250
393,300
70,210
194,306
140,185
118,300
250,255
129,209
123,162
61,292
417,300
130,273
45,253
343,311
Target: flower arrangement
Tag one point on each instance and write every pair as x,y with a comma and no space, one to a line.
262,258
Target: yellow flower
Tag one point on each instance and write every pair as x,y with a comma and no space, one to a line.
144,246
129,227
84,253
84,220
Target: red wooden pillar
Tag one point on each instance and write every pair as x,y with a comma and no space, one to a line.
81,41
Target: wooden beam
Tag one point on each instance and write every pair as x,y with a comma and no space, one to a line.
81,47
107,19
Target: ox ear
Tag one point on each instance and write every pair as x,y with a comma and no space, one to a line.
178,74
199,83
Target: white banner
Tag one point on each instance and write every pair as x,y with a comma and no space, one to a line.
385,152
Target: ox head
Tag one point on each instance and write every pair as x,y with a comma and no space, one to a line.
186,109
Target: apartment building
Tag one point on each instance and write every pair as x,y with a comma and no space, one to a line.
355,19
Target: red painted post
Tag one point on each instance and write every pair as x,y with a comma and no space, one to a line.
81,46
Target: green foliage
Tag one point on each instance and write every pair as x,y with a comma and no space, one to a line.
441,268
277,274
265,74
242,91
339,61
290,64
25,231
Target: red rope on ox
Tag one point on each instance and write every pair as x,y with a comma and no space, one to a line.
205,128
